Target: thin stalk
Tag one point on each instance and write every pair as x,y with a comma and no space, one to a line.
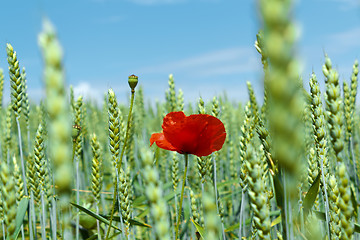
215,186
202,195
43,222
176,210
29,213
3,230
51,218
32,220
241,212
22,163
22,232
172,229
326,199
216,199
191,226
97,221
301,210
77,196
286,208
120,160
356,178
31,236
120,210
181,197
53,204
291,228
283,213
233,201
21,157
102,198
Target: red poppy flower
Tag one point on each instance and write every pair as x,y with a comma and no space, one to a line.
198,134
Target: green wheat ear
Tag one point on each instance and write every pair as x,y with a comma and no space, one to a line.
347,112
171,95
59,126
333,106
39,160
175,170
96,166
334,209
257,193
158,206
8,192
282,82
125,202
212,221
16,82
336,122
114,127
180,100
354,84
25,102
194,209
253,102
18,182
139,112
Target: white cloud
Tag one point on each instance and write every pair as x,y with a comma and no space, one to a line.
89,92
224,61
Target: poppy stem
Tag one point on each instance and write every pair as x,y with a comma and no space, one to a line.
118,164
181,197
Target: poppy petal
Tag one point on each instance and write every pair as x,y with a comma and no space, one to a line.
172,119
184,133
212,138
198,134
161,141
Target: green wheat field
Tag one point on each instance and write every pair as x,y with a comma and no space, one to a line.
289,167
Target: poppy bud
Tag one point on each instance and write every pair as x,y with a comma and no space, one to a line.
133,81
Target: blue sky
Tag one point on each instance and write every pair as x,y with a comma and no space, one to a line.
206,44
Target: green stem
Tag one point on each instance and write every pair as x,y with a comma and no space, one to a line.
118,163
53,209
97,221
23,170
325,196
32,216
43,217
21,156
3,230
283,208
241,217
77,186
181,198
